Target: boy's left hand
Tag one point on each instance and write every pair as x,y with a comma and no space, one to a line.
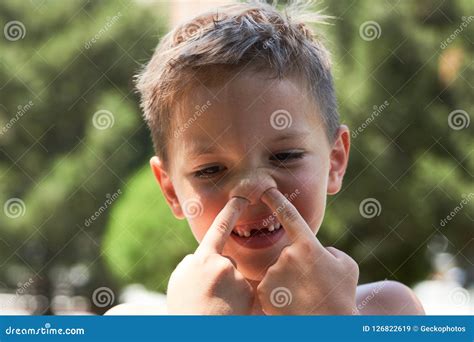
307,278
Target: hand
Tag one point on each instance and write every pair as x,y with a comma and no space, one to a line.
207,283
307,278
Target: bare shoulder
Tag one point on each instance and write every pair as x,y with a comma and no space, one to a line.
135,310
387,297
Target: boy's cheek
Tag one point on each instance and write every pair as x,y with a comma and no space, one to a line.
201,224
309,197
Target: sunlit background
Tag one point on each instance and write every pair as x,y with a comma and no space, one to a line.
83,226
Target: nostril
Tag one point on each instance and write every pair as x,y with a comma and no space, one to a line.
252,188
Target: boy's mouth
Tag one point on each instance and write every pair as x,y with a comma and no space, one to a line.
258,234
266,226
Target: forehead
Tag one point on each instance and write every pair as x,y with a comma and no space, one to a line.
247,109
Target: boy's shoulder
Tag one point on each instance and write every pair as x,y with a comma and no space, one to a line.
129,309
387,297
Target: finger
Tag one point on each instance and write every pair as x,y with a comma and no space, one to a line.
337,253
231,260
293,223
217,235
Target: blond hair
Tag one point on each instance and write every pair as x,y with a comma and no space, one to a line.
231,38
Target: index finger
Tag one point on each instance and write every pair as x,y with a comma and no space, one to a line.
289,217
217,235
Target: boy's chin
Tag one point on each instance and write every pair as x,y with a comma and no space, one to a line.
255,268
253,275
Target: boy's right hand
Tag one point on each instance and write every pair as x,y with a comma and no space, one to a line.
206,282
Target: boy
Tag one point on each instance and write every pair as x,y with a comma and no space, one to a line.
242,112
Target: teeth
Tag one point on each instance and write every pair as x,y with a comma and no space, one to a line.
244,231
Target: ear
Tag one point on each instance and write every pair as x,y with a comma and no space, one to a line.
166,186
339,157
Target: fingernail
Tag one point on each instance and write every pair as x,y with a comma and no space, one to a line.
241,201
269,193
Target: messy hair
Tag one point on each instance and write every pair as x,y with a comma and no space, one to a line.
231,38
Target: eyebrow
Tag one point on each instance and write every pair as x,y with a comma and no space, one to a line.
294,135
197,149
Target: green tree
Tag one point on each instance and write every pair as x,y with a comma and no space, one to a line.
71,65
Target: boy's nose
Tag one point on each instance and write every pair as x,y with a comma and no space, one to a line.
252,186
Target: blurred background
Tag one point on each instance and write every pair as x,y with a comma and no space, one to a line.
83,226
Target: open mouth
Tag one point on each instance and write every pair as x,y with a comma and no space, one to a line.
259,234
265,227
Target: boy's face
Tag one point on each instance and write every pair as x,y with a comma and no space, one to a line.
245,137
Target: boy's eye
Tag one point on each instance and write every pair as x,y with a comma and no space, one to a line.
286,156
207,172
